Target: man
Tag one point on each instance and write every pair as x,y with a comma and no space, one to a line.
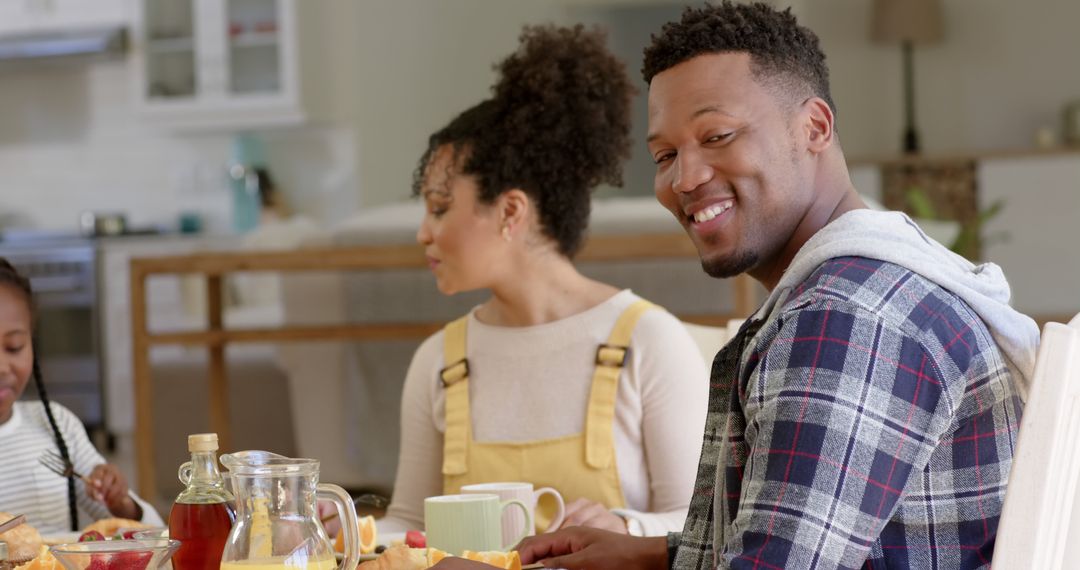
865,416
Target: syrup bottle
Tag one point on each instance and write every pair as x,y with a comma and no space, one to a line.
203,514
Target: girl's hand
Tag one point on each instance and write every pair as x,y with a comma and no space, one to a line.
583,512
108,485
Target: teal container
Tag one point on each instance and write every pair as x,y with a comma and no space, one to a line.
249,153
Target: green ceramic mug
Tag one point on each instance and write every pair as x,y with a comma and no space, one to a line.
455,523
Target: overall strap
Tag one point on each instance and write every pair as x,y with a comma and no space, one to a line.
455,378
610,359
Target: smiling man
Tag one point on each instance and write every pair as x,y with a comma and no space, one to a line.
865,416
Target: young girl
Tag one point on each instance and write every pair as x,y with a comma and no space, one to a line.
52,503
557,379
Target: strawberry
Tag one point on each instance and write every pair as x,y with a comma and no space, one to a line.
129,534
415,539
128,560
98,562
91,535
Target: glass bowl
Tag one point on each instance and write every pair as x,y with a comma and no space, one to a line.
142,554
152,533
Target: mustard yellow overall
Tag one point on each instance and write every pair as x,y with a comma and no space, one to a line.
581,465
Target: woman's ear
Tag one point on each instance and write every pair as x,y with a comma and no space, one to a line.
514,210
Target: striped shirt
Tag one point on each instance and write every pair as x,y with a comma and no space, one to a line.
29,488
869,423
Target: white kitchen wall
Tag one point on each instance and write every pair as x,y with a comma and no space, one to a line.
401,68
1004,69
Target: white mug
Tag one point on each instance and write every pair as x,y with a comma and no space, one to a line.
513,522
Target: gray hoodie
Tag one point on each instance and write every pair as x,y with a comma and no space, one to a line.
895,238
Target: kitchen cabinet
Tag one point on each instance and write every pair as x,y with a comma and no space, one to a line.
30,16
217,64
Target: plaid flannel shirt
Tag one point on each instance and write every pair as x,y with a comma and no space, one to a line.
868,422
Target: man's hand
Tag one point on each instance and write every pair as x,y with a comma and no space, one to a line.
583,512
581,548
108,485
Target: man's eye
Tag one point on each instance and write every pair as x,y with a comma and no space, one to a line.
663,157
15,349
718,138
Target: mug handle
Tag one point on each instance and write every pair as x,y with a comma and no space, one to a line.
347,515
560,514
528,520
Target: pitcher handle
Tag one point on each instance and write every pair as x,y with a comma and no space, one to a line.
528,520
347,514
184,473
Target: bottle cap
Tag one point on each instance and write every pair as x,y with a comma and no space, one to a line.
202,442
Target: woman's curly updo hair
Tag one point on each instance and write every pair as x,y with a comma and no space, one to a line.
782,53
557,126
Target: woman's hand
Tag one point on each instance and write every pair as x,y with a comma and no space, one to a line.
108,485
583,512
332,525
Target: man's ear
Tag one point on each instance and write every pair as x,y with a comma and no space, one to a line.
817,122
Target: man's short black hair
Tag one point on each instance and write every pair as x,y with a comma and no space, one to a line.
782,53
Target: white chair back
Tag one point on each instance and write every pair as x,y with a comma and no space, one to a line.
1040,522
711,339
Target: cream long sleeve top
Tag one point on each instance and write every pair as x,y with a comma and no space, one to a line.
27,487
530,383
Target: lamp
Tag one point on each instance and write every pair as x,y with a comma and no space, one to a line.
908,22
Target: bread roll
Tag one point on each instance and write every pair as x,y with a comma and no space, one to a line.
23,541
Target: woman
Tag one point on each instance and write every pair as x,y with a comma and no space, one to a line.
507,191
29,430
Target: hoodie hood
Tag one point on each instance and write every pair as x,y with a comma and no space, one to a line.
894,238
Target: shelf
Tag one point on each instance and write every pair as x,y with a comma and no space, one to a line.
170,45
254,40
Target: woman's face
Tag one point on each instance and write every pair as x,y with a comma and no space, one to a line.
462,238
16,351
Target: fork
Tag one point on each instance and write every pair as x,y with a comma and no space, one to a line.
62,467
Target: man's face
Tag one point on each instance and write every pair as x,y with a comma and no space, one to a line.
727,155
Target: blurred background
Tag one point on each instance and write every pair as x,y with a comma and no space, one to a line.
133,128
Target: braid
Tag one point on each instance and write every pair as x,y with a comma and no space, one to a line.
10,276
72,509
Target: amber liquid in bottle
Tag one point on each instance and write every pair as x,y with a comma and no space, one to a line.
202,515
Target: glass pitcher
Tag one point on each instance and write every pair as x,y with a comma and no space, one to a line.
277,525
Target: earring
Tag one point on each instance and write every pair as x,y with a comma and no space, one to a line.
506,232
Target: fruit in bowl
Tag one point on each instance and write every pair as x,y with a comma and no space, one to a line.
144,554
